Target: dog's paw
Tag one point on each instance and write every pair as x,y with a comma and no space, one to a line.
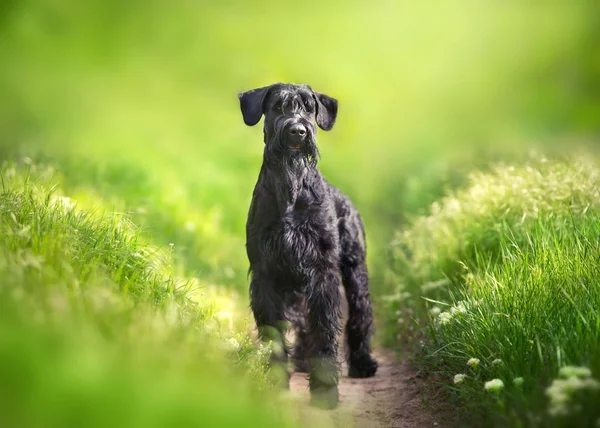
362,367
326,398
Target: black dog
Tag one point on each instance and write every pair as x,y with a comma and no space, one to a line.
304,239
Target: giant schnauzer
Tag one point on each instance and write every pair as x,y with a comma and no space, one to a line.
304,239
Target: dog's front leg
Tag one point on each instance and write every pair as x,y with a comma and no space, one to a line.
324,313
269,314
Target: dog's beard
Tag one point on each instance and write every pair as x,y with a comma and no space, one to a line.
278,151
291,166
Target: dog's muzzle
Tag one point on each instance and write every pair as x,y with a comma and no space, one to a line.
296,135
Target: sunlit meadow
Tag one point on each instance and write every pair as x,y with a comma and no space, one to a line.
127,174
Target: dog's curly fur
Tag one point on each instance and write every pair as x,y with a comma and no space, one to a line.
304,239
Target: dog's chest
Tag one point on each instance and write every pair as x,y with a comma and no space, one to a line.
303,235
292,227
303,205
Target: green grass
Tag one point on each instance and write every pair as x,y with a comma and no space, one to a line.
506,270
167,211
97,330
133,107
138,102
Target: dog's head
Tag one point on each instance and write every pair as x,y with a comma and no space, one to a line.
291,112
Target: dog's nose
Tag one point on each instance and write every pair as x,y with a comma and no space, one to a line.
297,131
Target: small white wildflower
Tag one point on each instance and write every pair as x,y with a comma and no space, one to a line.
459,378
559,405
473,362
562,391
458,309
264,350
518,381
229,272
497,362
24,232
494,385
225,319
398,313
434,285
231,345
588,384
392,298
452,206
435,311
574,371
28,259
63,203
444,318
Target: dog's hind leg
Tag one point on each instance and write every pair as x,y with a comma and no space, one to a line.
360,321
355,278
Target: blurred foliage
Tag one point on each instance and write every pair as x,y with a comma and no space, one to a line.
96,330
152,85
134,105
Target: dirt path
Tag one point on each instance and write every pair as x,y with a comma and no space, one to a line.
390,399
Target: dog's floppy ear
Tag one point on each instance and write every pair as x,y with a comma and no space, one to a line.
252,104
326,110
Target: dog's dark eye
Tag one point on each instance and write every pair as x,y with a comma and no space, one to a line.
277,105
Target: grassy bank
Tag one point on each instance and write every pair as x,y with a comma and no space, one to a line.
97,330
501,276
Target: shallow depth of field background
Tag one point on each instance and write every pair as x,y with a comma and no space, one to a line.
151,87
135,104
